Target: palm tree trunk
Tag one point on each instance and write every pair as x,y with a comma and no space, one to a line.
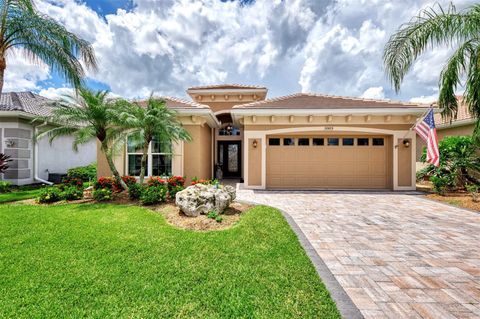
3,65
143,165
111,164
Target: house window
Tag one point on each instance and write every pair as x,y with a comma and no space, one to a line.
304,142
159,158
363,141
229,130
333,141
318,141
378,142
273,141
348,141
288,141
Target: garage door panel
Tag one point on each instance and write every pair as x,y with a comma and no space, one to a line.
339,167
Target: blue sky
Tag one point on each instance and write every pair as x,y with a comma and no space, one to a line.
164,46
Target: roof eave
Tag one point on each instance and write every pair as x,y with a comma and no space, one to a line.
212,120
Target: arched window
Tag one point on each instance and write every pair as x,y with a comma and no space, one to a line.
159,160
229,130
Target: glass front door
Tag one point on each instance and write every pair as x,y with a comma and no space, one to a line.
229,158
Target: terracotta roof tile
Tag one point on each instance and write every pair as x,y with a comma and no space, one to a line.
176,103
226,86
462,115
321,101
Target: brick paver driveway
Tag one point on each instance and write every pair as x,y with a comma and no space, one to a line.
395,255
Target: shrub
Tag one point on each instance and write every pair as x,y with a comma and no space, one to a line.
440,183
172,191
102,194
85,173
73,181
156,181
473,189
459,161
129,180
72,193
135,191
49,195
5,187
104,182
153,195
176,181
216,216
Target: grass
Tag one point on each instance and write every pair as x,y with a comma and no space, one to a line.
20,193
112,261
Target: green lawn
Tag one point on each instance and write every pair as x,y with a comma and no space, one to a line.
20,193
117,261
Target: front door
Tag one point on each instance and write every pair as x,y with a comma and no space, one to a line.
229,158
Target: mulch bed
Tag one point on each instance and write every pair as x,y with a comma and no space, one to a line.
459,199
176,218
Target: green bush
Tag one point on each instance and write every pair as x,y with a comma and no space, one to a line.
135,191
473,190
85,173
152,195
173,190
49,195
5,187
72,193
440,183
459,161
216,216
102,194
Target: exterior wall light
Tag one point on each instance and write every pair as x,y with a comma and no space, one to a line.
255,144
406,143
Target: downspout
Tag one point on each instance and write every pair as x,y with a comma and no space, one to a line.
35,158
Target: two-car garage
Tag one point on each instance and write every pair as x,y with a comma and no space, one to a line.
328,162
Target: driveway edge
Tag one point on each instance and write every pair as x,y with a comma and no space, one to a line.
344,304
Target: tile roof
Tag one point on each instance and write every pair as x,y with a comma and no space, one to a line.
27,102
226,87
176,103
321,101
462,115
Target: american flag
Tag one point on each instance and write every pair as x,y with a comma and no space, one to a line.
427,131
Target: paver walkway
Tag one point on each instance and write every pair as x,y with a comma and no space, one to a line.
395,255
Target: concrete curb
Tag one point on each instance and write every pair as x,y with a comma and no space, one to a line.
344,304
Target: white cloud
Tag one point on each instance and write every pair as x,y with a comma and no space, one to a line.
332,47
23,74
375,92
55,93
424,99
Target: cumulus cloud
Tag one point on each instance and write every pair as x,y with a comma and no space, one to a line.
375,92
332,47
23,74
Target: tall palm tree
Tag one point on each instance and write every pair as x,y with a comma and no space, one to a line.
150,120
434,27
41,38
85,116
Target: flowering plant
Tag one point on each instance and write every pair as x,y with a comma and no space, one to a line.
156,181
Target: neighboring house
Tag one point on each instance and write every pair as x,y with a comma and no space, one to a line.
463,125
300,141
32,162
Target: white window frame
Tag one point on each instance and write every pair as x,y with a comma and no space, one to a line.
149,159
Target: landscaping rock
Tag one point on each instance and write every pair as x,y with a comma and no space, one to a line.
202,199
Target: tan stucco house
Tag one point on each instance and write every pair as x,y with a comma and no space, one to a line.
299,141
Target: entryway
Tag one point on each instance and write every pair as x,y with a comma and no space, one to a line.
229,158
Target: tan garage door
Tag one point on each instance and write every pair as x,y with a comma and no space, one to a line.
329,162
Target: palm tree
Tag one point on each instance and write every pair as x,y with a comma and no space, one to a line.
151,120
436,27
85,116
41,38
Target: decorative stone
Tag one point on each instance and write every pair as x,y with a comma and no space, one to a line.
202,199
88,192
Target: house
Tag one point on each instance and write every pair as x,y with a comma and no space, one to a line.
463,125
299,141
32,162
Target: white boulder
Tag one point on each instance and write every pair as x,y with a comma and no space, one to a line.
202,199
